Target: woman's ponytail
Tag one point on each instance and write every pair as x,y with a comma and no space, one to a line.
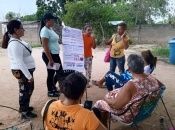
41,26
5,40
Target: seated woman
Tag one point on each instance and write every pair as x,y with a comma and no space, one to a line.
149,60
67,113
112,79
141,84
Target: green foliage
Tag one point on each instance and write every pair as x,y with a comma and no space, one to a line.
54,6
31,17
89,11
125,12
162,51
171,19
34,45
76,13
145,9
10,15
98,13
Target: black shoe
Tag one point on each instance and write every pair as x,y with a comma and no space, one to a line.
28,115
29,109
53,94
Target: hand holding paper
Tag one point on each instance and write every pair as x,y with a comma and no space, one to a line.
55,66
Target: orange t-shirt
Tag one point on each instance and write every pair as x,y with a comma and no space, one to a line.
88,44
73,117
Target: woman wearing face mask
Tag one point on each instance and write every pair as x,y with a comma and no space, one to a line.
50,55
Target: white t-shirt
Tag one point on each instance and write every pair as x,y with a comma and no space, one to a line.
147,69
20,57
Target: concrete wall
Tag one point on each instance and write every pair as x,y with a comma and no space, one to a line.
31,33
152,33
146,34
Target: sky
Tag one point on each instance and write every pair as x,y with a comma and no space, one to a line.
23,7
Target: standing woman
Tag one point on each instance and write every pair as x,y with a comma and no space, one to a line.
89,43
22,65
50,55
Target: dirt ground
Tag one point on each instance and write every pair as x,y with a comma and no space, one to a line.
9,90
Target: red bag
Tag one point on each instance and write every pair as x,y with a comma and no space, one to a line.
107,55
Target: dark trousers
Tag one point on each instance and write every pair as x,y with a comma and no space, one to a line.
53,75
25,89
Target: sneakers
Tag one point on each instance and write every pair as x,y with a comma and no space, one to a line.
53,94
28,115
29,109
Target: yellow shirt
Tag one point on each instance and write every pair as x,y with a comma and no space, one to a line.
117,46
73,117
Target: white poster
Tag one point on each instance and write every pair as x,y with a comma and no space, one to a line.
73,49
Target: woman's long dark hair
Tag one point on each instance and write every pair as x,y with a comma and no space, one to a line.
43,23
11,26
149,58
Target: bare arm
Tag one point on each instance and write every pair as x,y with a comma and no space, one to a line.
109,41
125,40
126,45
45,42
124,96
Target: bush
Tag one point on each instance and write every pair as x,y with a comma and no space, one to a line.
162,51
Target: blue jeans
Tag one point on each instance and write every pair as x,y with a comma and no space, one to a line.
120,62
113,79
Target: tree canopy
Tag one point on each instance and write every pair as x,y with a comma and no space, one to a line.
11,15
142,10
91,12
53,6
31,17
76,13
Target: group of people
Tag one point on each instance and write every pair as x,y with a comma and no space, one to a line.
68,113
114,80
22,63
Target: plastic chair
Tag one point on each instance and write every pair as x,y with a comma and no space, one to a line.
147,105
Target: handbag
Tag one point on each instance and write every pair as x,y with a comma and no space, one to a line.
23,45
107,55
